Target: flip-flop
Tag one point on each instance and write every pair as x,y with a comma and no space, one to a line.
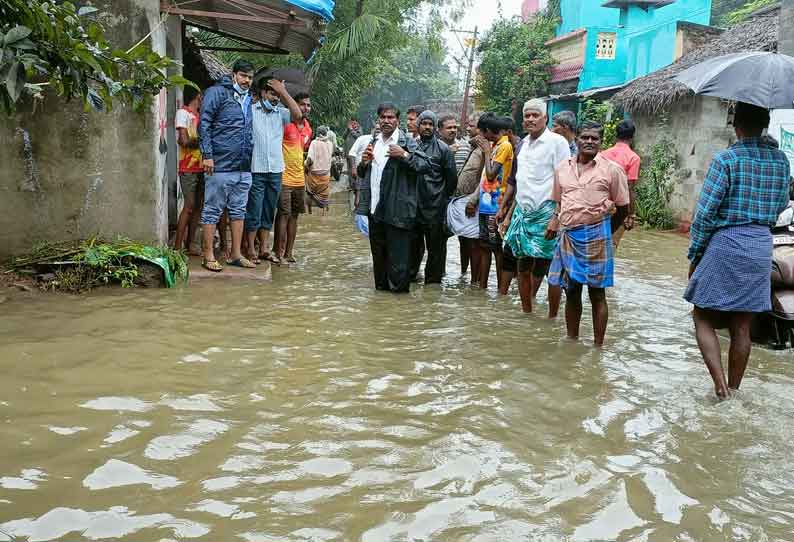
211,265
275,259
241,262
255,260
291,259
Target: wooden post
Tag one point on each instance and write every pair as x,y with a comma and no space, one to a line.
464,115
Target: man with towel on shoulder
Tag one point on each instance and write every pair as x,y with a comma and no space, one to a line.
537,156
318,170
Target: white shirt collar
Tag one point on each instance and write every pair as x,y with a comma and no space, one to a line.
393,139
543,137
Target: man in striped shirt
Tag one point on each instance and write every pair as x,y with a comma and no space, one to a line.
448,133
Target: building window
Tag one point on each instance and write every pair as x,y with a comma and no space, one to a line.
605,46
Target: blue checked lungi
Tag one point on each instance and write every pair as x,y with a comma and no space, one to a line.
734,274
526,235
585,255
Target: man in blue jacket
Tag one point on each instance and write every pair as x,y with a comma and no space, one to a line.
226,146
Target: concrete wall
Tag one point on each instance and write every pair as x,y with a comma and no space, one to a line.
578,14
599,72
650,35
646,38
68,174
690,37
699,127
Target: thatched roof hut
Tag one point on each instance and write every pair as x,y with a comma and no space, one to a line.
657,91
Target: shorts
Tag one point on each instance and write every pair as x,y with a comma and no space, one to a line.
291,200
192,185
225,190
511,264
489,233
509,261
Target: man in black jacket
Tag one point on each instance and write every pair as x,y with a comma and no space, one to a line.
388,173
434,191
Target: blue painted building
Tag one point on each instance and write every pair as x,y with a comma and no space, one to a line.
602,45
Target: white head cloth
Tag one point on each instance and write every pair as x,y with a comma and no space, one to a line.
535,104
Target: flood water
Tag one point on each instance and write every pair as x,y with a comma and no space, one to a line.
312,408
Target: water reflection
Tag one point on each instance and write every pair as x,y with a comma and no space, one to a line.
311,408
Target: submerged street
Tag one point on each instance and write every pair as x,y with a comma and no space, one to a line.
312,408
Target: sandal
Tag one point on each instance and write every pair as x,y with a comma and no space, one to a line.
275,259
211,265
292,259
242,262
255,260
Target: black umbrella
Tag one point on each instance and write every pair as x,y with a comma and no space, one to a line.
758,78
294,79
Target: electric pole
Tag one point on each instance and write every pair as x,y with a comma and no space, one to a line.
464,115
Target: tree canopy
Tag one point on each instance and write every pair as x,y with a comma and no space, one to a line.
372,47
56,46
414,75
514,62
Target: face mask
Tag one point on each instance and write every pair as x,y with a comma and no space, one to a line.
238,89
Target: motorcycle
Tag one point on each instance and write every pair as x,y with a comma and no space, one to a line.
775,328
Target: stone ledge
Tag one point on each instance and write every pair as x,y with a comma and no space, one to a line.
262,272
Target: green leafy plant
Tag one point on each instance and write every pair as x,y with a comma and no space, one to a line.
82,265
604,114
54,45
743,13
656,185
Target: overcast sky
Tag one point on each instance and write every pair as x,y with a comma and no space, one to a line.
482,14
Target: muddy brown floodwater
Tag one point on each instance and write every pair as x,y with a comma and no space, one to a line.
312,408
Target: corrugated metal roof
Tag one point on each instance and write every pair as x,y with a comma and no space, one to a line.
587,93
272,24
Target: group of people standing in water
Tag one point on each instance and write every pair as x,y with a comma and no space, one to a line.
529,205
554,205
551,205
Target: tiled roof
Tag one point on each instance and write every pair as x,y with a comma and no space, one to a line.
564,72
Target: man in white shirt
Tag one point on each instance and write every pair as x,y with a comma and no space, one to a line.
537,156
354,158
388,173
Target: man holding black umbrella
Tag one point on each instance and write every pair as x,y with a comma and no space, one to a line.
745,189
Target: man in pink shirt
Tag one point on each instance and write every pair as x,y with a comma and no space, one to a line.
624,156
592,201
